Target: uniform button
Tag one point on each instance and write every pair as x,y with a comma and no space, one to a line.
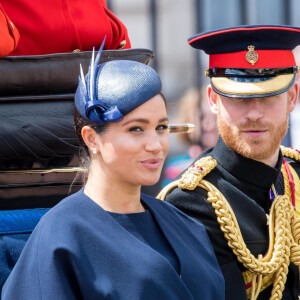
12,25
122,44
76,50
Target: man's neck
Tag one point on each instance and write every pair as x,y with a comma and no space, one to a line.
272,160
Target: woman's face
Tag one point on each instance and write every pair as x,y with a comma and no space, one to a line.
133,151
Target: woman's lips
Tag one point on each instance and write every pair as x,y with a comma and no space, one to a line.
152,163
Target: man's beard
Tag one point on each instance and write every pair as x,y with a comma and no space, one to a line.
257,148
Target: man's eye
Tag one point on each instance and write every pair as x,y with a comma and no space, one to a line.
162,127
136,129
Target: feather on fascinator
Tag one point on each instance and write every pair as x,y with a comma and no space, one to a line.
111,90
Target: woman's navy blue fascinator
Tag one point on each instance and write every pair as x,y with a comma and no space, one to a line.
111,90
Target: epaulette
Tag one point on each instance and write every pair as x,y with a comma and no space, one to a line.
290,153
191,177
194,174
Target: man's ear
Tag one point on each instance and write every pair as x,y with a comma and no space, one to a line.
89,137
212,100
293,93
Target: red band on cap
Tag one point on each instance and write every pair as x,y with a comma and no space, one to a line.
266,59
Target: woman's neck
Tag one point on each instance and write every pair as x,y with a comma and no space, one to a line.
113,196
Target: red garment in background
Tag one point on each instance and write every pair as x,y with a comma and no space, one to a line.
59,26
9,34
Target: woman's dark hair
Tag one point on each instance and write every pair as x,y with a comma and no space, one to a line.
80,122
83,152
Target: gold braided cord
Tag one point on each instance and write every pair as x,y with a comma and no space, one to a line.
284,227
290,152
295,227
256,283
229,226
278,261
166,190
295,248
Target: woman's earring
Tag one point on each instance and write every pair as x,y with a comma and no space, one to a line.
94,150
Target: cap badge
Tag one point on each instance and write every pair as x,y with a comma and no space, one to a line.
251,55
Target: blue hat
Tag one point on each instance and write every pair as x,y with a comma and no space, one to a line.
250,61
113,89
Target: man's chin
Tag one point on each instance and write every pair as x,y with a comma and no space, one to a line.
256,153
257,148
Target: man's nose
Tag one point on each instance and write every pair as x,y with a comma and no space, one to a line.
254,109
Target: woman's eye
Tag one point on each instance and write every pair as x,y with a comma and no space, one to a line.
136,129
162,127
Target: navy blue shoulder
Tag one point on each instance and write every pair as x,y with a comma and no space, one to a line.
68,210
167,208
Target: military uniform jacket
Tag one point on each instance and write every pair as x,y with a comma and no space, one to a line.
245,183
79,251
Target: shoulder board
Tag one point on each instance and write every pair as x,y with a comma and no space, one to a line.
290,153
194,174
190,178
